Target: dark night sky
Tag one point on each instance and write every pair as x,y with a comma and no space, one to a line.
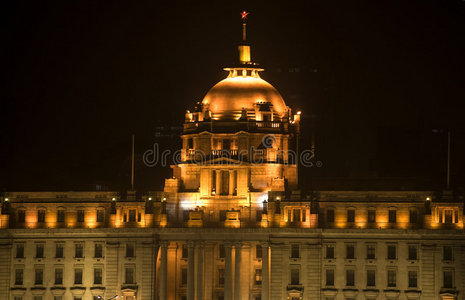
374,78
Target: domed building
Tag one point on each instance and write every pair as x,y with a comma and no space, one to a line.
232,223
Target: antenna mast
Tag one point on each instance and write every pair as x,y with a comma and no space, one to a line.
132,165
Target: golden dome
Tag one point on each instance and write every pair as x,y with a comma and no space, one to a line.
229,97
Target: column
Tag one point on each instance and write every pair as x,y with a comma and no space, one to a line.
237,270
231,182
218,182
163,271
227,271
265,272
190,271
200,271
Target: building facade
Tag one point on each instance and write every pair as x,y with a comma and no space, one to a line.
232,223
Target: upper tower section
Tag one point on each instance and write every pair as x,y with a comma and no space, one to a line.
242,101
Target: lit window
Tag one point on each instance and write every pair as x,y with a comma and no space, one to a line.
258,276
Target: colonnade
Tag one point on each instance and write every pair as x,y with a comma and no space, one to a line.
232,182
195,271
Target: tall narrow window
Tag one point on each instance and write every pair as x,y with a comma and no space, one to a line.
295,251
329,277
413,216
391,251
221,251
258,276
350,215
98,250
78,276
19,250
448,279
371,251
392,281
100,215
412,252
185,251
412,279
350,251
330,215
98,275
447,253
392,216
39,276
80,215
129,275
371,277
19,274
258,251
183,276
21,216
41,216
371,215
40,250
58,276
129,250
220,277
59,250
79,250
60,216
329,251
295,276
132,215
350,277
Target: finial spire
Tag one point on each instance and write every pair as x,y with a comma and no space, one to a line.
244,15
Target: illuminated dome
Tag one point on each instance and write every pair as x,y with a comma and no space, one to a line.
229,97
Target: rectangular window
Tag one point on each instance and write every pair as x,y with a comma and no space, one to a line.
350,251
330,215
39,250
58,276
39,276
100,215
258,251
371,277
413,216
77,276
80,215
258,276
412,252
351,216
329,277
392,281
18,298
19,274
19,250
329,251
448,277
132,215
221,277
448,216
98,272
295,251
371,216
350,277
98,250
183,276
41,216
58,298
412,279
129,276
185,251
78,250
59,250
38,298
371,251
21,216
221,251
60,216
295,276
391,251
447,253
392,216
129,250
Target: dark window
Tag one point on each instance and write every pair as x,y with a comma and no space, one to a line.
371,278
412,252
221,277
221,251
448,216
129,250
258,251
295,276
39,250
350,277
190,143
129,276
350,251
350,216
185,251
60,216
413,216
39,276
226,144
183,276
391,282
139,217
132,215
19,276
371,216
447,253
330,215
412,279
78,250
258,276
391,249
21,216
100,216
80,215
371,251
19,250
295,251
41,216
59,250
77,276
58,276
448,279
330,277
98,250
258,216
329,251
392,216
456,216
98,276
